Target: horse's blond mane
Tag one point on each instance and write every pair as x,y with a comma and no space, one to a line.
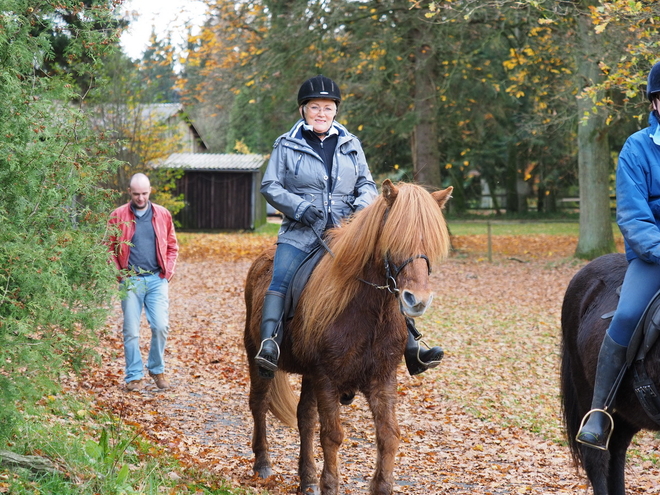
413,225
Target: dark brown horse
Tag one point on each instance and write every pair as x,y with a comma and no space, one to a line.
590,295
349,333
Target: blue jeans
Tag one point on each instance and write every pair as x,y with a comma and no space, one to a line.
151,293
640,284
287,260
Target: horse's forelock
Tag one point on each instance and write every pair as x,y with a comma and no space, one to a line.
415,225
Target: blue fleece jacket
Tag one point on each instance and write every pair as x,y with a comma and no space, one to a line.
638,193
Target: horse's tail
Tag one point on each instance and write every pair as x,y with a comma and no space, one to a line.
580,295
570,406
283,401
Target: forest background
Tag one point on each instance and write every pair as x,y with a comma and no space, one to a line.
532,98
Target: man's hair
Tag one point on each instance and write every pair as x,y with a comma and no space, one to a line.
140,176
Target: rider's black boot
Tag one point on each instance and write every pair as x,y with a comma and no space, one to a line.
418,360
271,335
598,427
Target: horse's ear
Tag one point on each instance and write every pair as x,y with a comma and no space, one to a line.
390,192
442,196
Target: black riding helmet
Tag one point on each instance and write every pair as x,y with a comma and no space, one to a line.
653,84
319,87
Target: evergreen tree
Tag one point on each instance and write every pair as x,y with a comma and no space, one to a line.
55,281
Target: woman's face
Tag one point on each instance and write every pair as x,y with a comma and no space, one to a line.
319,113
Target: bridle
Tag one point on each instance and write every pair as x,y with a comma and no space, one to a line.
392,271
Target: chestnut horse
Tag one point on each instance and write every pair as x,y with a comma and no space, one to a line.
590,299
348,333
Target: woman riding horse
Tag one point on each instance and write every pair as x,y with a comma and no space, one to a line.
317,175
638,217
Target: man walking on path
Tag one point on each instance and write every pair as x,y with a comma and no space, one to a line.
144,249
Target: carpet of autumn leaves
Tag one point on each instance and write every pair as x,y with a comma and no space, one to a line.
486,421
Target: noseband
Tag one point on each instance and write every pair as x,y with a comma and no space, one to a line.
392,271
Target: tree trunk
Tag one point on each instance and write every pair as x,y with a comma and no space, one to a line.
511,180
424,141
595,236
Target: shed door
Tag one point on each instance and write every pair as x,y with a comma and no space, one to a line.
215,200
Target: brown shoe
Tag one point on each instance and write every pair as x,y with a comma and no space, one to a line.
134,386
160,381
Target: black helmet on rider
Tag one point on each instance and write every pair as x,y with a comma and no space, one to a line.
319,87
653,84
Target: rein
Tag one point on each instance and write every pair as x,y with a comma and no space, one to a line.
392,271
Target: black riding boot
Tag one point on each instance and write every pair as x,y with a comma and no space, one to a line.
418,360
271,336
598,427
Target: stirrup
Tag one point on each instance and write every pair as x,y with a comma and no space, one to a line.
428,364
265,363
609,435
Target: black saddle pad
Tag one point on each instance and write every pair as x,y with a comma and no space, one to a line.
299,281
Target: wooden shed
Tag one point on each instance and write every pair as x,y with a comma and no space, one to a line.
221,191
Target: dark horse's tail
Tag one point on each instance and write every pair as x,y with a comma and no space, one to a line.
580,295
591,292
570,407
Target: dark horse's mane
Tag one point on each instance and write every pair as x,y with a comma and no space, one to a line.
413,225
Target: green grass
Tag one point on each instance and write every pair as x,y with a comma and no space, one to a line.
513,227
268,229
95,453
480,226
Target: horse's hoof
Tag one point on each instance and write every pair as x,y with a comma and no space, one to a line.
309,490
263,472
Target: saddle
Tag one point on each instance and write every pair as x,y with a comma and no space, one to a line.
299,281
643,338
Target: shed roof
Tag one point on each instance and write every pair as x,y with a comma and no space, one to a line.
214,162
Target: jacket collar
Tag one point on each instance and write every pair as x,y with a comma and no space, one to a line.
654,134
296,130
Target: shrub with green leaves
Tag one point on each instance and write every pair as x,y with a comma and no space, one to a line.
55,281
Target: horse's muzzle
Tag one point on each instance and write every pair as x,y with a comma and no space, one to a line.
412,306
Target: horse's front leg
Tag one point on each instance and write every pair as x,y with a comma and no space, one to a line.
259,404
332,434
382,401
306,424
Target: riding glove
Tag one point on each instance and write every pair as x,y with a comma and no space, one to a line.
311,216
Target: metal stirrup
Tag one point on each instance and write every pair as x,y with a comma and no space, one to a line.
263,362
609,435
428,364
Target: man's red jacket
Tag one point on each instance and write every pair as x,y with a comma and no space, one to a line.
167,247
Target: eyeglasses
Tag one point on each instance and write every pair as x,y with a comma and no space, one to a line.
318,109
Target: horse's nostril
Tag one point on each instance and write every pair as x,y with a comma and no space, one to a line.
409,298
